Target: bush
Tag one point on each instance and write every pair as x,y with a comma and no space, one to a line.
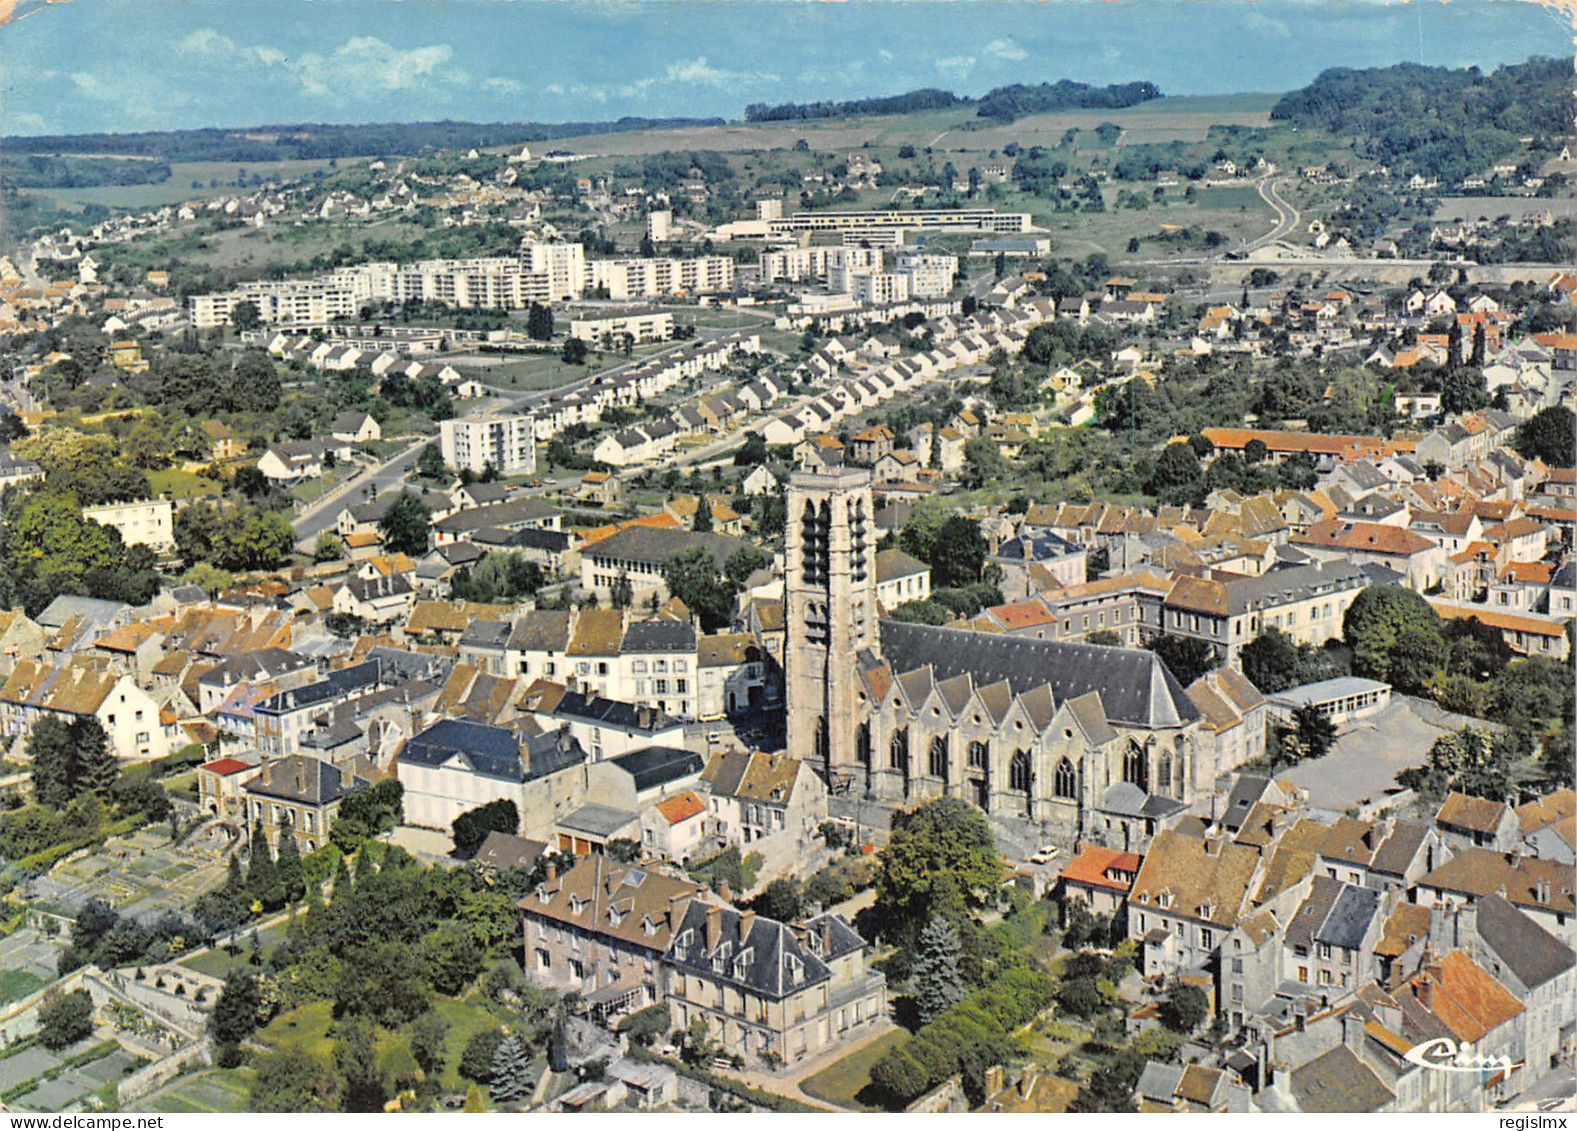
476,1059
645,1025
65,1019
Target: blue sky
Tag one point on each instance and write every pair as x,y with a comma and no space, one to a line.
93,65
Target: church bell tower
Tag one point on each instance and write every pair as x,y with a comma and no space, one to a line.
830,611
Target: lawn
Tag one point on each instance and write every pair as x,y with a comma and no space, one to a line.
218,963
846,1081
532,373
216,1091
17,984
210,178
180,484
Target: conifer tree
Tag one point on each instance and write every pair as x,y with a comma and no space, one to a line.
292,875
262,878
511,1071
937,982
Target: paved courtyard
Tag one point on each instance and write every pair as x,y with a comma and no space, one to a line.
1362,766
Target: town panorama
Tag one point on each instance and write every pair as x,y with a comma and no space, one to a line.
1051,596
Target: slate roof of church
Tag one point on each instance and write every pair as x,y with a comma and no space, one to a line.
1134,685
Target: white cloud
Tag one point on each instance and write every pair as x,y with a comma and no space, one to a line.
1261,22
365,65
206,42
700,72
26,122
503,86
268,55
1006,49
553,88
959,65
886,55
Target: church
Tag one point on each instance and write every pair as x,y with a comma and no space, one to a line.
1073,742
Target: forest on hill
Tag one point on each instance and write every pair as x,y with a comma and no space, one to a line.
1437,122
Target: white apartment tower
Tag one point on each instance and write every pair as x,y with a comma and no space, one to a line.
506,443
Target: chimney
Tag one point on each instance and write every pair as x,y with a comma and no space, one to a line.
553,871
1352,1032
301,776
714,927
1467,929
675,907
993,1079
643,717
1026,1082
725,893
746,921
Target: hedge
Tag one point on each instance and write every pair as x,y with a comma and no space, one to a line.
957,1039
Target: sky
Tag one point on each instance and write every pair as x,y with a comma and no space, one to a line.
81,66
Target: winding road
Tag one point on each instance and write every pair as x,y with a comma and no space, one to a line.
1286,215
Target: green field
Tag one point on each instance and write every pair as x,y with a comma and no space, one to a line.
179,187
218,963
841,1083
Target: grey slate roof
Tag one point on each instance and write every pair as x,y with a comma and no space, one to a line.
491,751
598,820
656,766
1338,1082
303,779
659,636
1349,918
1135,686
656,547
1533,954
771,959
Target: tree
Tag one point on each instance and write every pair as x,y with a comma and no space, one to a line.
476,1058
1309,736
355,1061
255,384
470,828
702,522
245,315
1461,390
940,860
539,323
289,873
575,352
1550,435
235,1016
692,576
622,595
752,452
1393,632
65,1019
1185,1010
983,463
958,554
743,562
292,1080
473,1100
406,525
1469,761
70,759
781,900
1178,478
1271,661
328,547
511,1072
1185,657
938,984
262,878
430,463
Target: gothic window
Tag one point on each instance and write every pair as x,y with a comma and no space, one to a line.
1018,772
979,756
1066,783
938,758
1134,769
1163,774
898,753
821,738
862,744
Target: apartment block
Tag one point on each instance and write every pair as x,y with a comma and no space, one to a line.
506,443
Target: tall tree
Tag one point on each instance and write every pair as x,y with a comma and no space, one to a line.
1394,632
937,982
262,878
406,525
511,1071
290,874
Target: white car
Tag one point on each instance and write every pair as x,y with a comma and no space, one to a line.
1046,855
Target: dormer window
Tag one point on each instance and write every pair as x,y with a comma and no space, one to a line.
613,916
1164,899
544,896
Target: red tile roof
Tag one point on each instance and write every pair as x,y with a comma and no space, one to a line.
1092,865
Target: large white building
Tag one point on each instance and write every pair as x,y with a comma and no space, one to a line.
930,276
792,264
971,219
626,279
150,522
607,327
506,443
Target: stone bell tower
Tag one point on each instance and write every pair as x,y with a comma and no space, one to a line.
830,611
